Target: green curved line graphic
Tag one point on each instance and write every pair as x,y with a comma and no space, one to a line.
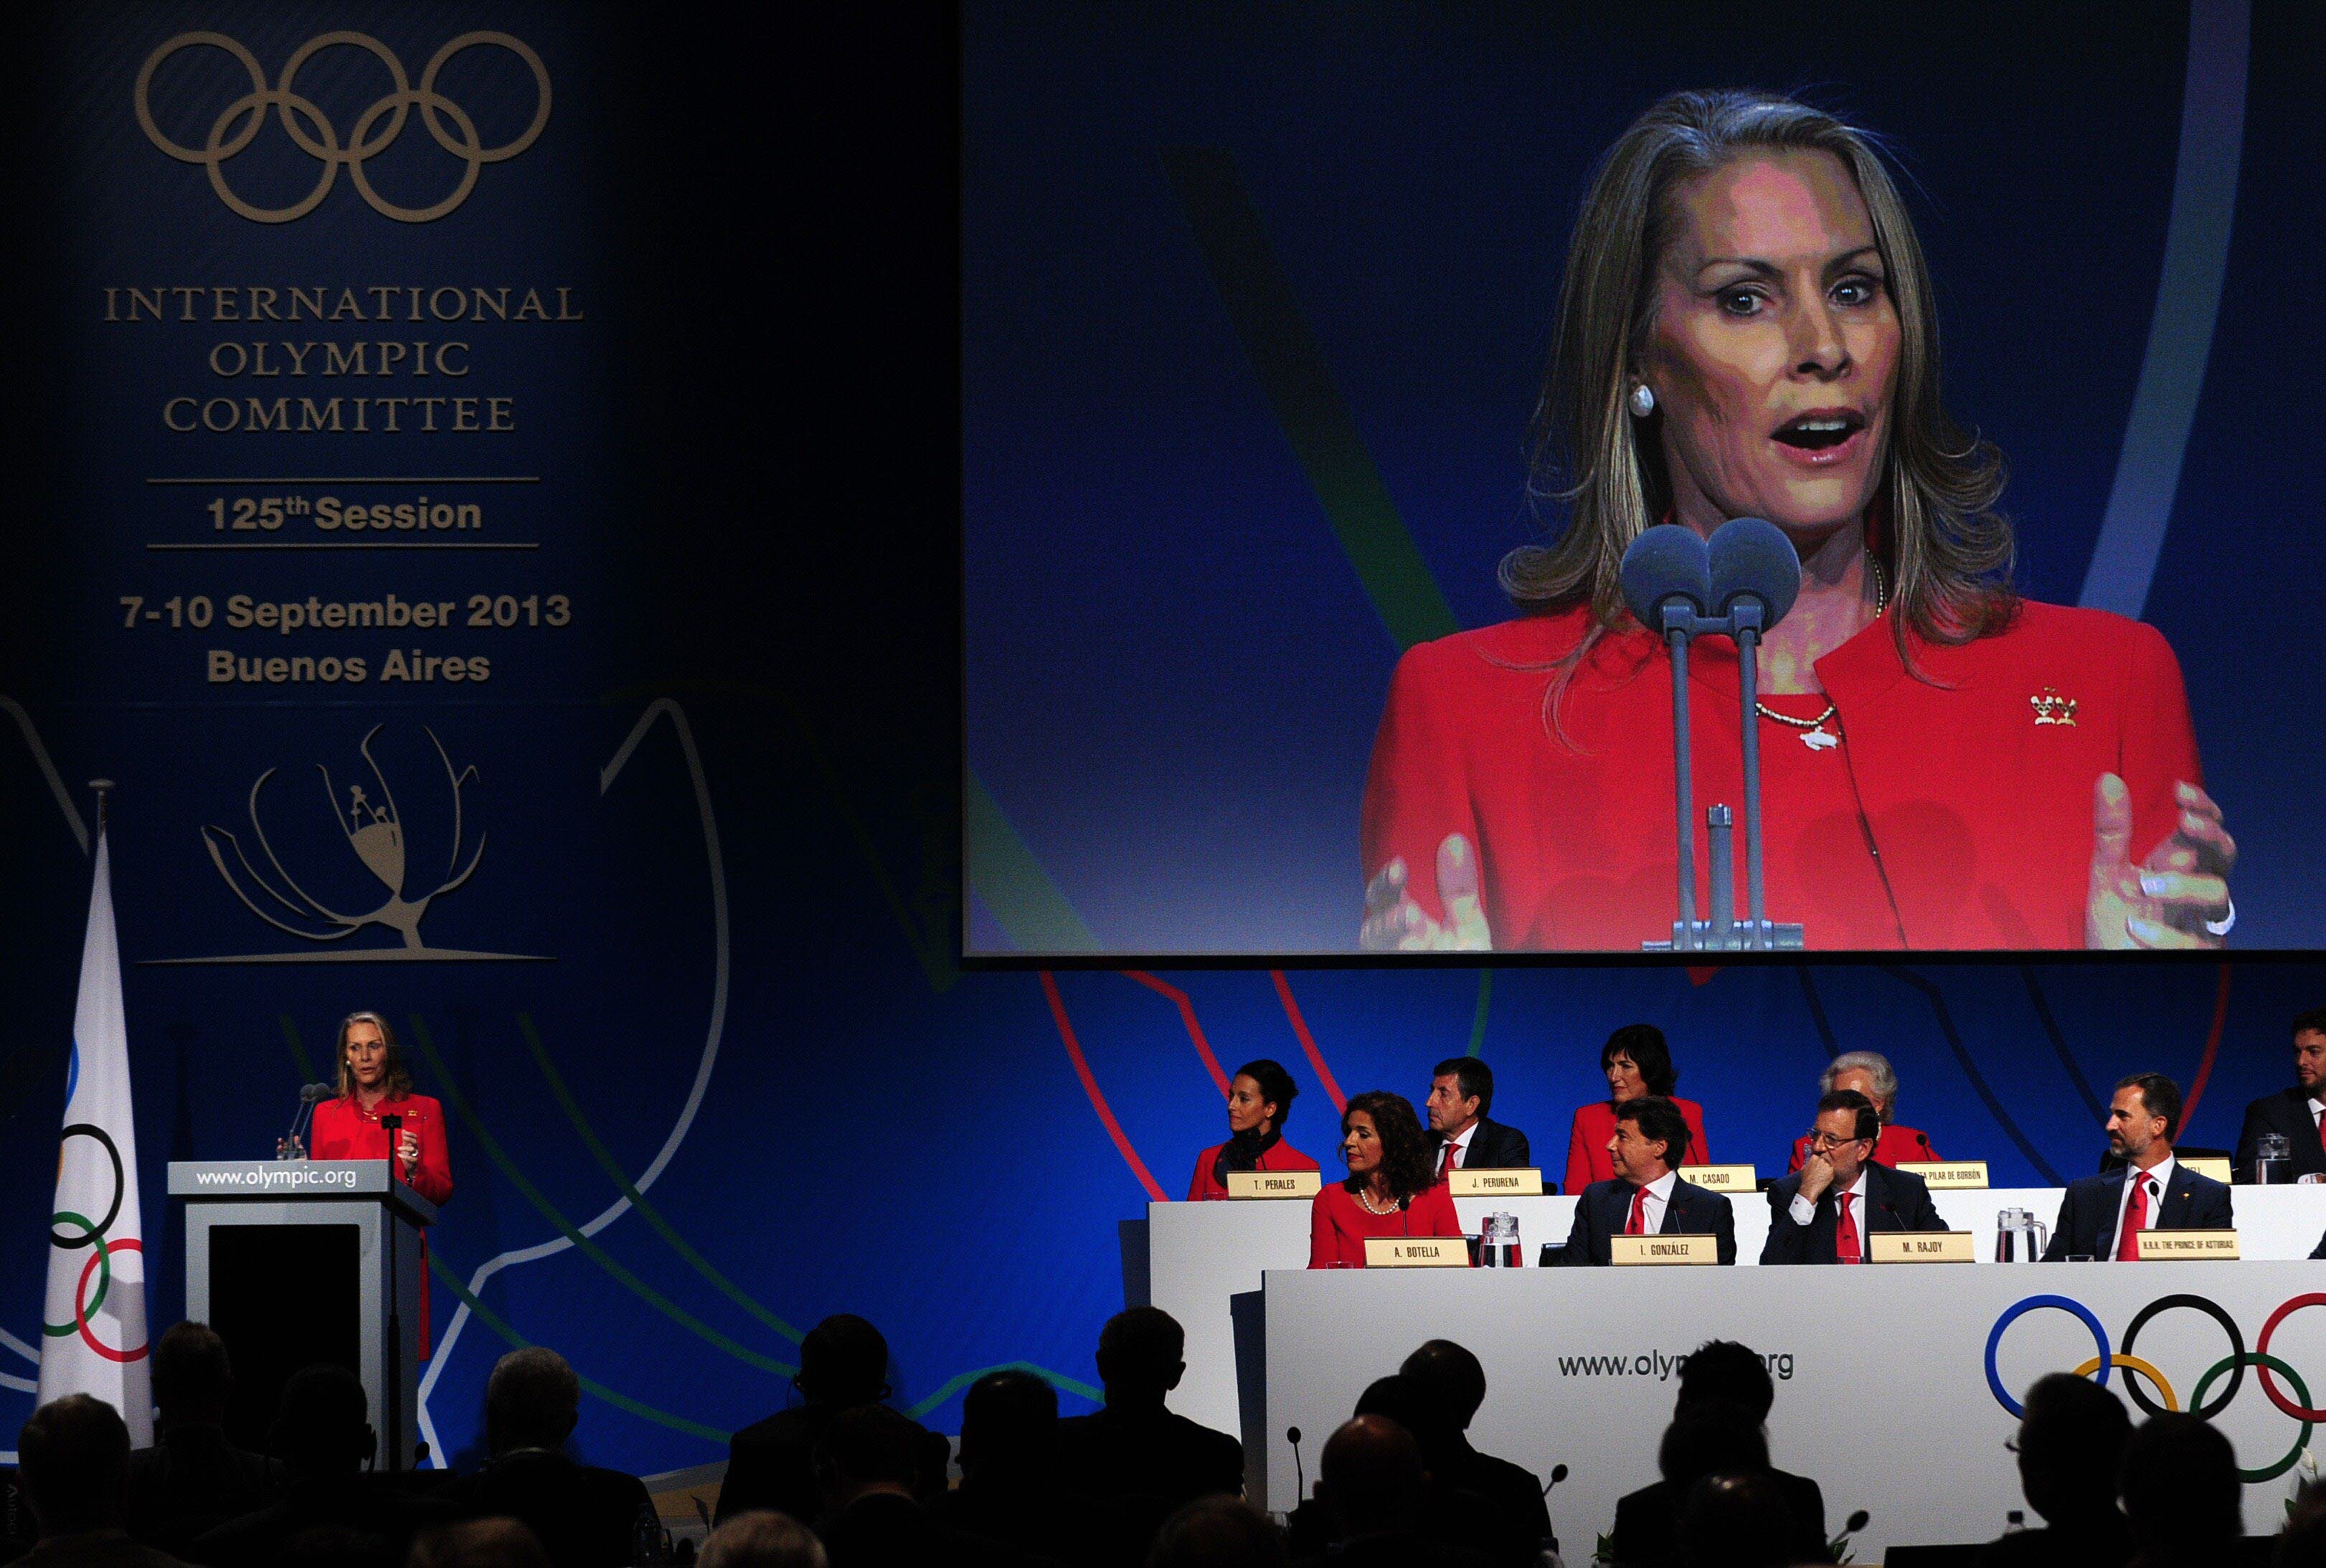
298,1051
591,1249
955,1384
1478,1019
647,1211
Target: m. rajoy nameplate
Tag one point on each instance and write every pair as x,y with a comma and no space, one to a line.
1720,1178
2181,1246
1417,1252
1947,1175
1626,1251
1483,1183
1274,1183
1921,1245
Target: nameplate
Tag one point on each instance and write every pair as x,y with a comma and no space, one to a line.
2208,1165
1274,1183
1526,1183
1921,1245
1626,1251
1417,1252
1947,1175
2183,1245
1720,1178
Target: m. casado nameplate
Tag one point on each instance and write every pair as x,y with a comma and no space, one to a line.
1921,1245
1627,1250
1720,1178
1274,1183
2163,1246
1483,1183
1417,1252
1947,1175
2212,1166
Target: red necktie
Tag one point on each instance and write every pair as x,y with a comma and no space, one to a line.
1452,1158
1638,1224
2136,1216
2321,1131
1844,1237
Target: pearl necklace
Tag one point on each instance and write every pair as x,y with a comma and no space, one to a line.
1366,1197
1814,734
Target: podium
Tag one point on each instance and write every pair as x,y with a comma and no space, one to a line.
294,1262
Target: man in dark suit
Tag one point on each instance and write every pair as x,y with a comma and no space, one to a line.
193,1480
1823,1212
1136,1453
1453,1382
843,1364
2298,1113
1461,1091
1646,1197
585,1516
1373,1478
868,1464
2070,1446
2102,1216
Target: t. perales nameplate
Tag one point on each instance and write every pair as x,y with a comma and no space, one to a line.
1626,1250
1720,1178
1274,1183
1945,1175
2181,1246
1485,1183
1417,1252
2212,1166
1921,1245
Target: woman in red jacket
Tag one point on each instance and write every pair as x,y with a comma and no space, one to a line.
373,1084
1260,1097
1637,1062
1390,1190
1747,328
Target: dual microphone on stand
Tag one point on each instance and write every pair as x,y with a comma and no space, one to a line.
1738,585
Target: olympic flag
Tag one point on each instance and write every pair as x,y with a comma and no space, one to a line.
93,1331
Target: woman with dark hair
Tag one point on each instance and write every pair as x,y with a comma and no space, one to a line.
1390,1190
1637,1062
1260,1098
1747,327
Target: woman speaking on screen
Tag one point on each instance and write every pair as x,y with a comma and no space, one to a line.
1746,328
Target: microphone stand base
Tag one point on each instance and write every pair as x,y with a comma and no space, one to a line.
1729,937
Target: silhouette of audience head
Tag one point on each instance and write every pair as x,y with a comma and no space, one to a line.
1402,1400
1371,1477
192,1378
843,1361
1737,1521
2181,1490
2071,1438
1009,1426
1724,1372
865,1448
323,1428
1142,1356
1215,1532
480,1544
1449,1379
1712,1438
72,1463
532,1400
762,1538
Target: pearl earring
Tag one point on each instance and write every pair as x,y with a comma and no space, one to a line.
1644,401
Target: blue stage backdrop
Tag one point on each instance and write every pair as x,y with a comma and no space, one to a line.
1256,303
665,894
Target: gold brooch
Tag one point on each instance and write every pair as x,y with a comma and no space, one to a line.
2051,708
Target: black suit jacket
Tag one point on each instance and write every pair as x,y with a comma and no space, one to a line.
1605,1207
1895,1201
1647,1522
1492,1147
2087,1224
586,1517
2286,1112
1130,1451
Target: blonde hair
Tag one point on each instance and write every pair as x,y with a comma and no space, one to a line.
1949,554
396,1081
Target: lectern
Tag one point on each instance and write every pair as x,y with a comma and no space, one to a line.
295,1262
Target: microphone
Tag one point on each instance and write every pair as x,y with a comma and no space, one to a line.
1557,1474
1756,576
1299,1471
309,1097
1667,583
1856,1522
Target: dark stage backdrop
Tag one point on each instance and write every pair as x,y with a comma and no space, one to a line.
712,1067
1255,308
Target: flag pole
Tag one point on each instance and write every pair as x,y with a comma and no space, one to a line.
103,788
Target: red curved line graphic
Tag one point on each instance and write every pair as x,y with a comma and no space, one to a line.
1090,1087
1186,1016
2212,1049
1308,1041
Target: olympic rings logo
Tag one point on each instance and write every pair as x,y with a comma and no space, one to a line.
93,1234
2234,1364
239,124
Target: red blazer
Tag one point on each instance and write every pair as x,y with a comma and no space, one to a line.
1338,1224
1280,1156
341,1131
1594,1124
1981,815
1895,1143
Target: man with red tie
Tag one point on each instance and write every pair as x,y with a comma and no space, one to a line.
2297,1115
1823,1212
1646,1197
2102,1217
1461,1138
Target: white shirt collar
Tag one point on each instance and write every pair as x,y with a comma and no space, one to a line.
2161,1172
1857,1188
1461,1139
1660,1188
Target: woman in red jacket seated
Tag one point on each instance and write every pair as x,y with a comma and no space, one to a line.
1869,1073
1637,1062
1389,1191
373,1084
1260,1097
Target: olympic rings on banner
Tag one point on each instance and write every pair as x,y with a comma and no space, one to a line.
81,1310
105,1281
2263,1361
2299,1412
304,120
2229,1326
120,1187
2016,1311
2132,1363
